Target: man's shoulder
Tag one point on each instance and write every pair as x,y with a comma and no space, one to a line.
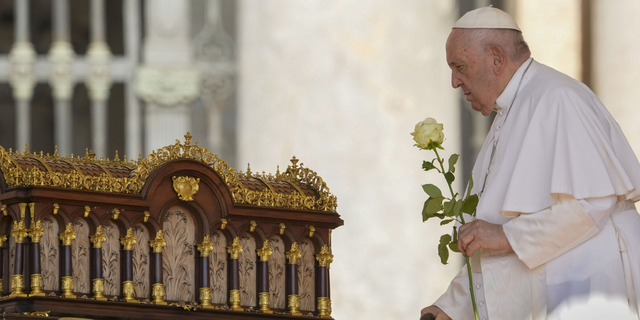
549,80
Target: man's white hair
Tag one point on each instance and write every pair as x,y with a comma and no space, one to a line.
511,41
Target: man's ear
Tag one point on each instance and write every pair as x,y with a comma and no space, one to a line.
499,59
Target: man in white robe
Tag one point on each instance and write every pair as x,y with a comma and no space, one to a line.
556,231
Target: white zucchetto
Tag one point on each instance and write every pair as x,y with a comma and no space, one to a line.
486,18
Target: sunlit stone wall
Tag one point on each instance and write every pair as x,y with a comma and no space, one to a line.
340,84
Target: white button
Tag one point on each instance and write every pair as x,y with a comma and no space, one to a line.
487,171
478,286
481,303
500,113
498,128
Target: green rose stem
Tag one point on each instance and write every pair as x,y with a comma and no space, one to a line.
473,296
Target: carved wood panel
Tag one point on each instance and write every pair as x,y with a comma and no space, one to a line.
111,260
306,276
80,248
140,260
247,266
218,269
49,258
178,259
276,273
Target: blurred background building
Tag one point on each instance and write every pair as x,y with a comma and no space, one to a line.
338,83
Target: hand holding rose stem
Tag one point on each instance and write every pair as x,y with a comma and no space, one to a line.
429,136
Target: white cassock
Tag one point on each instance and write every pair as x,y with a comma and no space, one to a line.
562,183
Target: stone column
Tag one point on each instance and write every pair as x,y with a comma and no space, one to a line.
127,285
263,277
156,277
322,281
98,282
292,280
205,291
234,275
67,277
35,232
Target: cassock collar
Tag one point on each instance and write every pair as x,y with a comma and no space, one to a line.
504,100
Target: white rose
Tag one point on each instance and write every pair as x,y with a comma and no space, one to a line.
428,134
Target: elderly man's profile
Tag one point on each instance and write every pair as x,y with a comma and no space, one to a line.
556,227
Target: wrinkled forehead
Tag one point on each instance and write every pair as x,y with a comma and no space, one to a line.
460,43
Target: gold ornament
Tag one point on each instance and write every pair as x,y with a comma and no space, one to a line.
312,230
234,300
265,302
324,257
87,210
4,209
98,289
186,187
128,241
3,238
128,291
146,216
205,247
158,243
98,238
294,305
224,224
56,207
17,285
294,254
68,235
282,227
158,293
116,214
205,298
19,231
67,287
36,231
235,249
36,285
252,226
323,307
265,252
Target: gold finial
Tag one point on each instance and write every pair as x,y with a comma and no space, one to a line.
265,252
294,160
206,246
324,257
116,214
253,226
235,249
36,231
23,207
139,157
294,254
278,171
56,155
98,238
312,230
32,211
56,207
248,170
129,240
68,235
4,209
158,243
3,238
26,150
116,159
282,227
125,159
87,209
146,216
224,224
187,138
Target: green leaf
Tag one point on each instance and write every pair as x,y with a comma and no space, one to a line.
431,207
443,251
439,215
450,177
452,162
470,185
448,206
457,208
443,222
426,165
425,215
432,190
470,204
453,245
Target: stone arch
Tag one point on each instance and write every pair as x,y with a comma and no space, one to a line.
111,259
277,273
306,275
247,267
140,261
218,268
178,257
80,257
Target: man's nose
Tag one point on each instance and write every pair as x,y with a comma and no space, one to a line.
455,82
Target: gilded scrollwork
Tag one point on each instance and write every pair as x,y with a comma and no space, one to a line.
15,175
178,258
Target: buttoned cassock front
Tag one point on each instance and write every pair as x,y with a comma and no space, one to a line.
562,182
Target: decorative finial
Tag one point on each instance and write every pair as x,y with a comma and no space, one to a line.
56,155
116,159
248,170
139,157
187,138
294,160
26,149
125,159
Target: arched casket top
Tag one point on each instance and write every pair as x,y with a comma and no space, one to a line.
295,188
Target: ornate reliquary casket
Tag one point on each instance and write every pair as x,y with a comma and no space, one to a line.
179,233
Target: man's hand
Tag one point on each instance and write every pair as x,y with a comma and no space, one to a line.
481,234
437,312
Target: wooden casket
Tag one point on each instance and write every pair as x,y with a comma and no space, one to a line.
177,234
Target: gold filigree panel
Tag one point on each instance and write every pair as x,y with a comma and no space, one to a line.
277,273
140,260
306,276
49,255
80,248
247,267
178,259
111,260
218,269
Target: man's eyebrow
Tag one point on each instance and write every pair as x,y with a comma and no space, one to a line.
454,63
